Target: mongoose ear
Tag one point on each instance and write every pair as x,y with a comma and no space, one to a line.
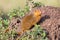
37,12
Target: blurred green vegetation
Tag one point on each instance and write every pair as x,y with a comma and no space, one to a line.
36,33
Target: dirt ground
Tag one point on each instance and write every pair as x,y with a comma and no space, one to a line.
50,22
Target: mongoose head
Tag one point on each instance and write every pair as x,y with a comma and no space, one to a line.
37,13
